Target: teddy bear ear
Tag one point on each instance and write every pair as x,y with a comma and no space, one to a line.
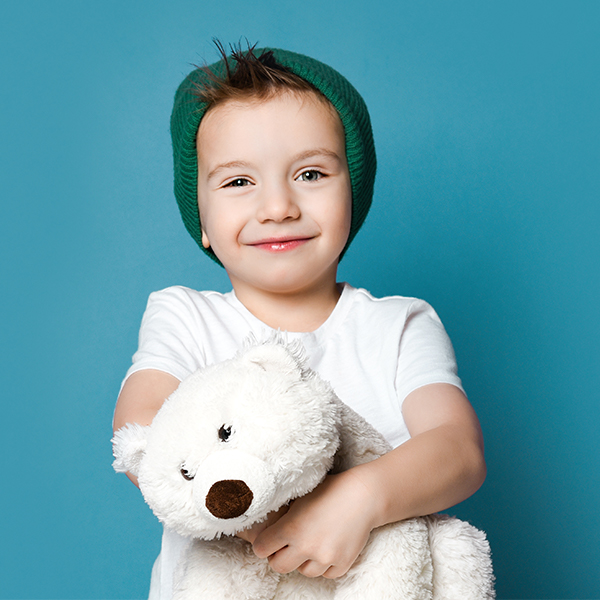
129,445
276,354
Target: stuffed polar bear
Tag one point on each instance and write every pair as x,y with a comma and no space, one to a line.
240,439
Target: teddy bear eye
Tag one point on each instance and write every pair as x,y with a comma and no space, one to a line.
224,433
186,474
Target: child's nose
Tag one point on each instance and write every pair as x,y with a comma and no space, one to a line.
277,204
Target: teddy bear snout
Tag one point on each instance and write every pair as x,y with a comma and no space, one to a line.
229,498
232,490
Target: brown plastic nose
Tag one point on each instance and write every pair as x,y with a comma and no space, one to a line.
229,498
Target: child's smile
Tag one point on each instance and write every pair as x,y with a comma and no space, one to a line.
280,244
274,192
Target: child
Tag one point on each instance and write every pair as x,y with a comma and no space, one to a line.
274,171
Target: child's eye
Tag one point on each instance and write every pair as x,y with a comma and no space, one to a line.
239,182
310,175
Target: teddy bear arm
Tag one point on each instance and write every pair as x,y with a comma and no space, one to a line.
360,442
462,564
396,563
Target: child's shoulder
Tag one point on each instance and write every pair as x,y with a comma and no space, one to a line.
181,293
181,300
368,317
396,305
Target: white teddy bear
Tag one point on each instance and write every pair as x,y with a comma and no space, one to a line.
240,439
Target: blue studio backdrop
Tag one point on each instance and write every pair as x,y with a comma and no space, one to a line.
486,122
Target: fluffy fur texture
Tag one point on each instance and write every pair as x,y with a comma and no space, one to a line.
240,439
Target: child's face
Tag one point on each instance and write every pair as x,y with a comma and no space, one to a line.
274,192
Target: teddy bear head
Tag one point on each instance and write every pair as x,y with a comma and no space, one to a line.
235,441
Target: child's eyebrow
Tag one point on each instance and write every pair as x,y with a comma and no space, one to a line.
240,164
318,152
234,164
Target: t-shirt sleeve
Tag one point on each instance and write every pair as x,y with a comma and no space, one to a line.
425,354
165,340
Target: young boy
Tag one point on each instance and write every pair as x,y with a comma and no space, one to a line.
274,172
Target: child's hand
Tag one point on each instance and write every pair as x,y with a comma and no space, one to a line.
323,532
251,533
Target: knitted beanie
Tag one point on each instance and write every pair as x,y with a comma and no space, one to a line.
360,149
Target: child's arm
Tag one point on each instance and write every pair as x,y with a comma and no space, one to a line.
441,465
141,397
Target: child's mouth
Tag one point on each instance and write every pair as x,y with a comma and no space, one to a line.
280,245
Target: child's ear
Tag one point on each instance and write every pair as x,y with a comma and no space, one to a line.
205,240
129,445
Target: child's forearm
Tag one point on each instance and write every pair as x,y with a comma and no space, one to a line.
441,465
431,472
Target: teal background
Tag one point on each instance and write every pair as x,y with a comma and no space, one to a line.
485,117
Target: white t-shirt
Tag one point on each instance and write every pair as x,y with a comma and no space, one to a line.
373,351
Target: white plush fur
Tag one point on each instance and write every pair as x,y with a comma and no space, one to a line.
285,429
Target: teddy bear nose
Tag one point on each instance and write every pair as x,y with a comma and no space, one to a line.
229,498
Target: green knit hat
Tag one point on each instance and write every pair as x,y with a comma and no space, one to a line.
360,148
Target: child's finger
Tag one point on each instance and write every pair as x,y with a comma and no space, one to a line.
286,560
312,568
253,532
276,535
268,542
308,560
336,571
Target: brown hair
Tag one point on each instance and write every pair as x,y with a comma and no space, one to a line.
253,76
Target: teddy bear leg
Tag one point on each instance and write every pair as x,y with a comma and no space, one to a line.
394,565
462,566
226,569
294,586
